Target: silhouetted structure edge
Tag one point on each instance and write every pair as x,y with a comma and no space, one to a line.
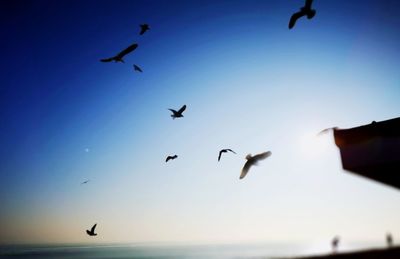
372,151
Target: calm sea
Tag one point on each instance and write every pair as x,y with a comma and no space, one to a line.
236,251
148,251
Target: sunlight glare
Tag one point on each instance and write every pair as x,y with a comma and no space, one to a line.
312,146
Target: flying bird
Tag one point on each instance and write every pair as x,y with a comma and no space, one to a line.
143,28
91,232
304,11
137,68
225,151
85,182
178,114
171,158
252,160
119,56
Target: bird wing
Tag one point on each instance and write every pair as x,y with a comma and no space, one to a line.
107,59
94,226
231,150
172,110
220,153
262,156
88,232
245,169
137,68
182,109
308,4
127,50
168,158
294,18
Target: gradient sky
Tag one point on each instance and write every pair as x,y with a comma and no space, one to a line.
250,84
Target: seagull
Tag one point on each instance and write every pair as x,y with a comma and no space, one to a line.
119,56
252,160
143,28
91,232
171,158
85,182
137,68
305,10
177,114
224,151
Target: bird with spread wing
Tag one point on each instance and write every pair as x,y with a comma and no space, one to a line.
306,10
91,231
119,56
253,160
178,114
225,151
171,158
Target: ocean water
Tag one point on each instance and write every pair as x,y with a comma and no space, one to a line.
152,251
229,251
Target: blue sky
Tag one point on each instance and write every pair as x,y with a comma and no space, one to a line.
250,84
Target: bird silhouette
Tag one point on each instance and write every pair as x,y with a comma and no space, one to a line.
143,28
177,114
85,182
91,232
304,11
225,151
119,56
252,160
171,158
137,68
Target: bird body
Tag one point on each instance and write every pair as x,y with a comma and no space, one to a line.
171,158
253,160
91,231
306,10
119,56
85,182
177,114
143,28
224,151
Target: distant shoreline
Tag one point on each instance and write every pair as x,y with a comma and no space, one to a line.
389,253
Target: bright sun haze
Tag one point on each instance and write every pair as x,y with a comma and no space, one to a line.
249,83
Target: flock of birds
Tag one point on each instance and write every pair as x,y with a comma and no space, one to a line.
306,10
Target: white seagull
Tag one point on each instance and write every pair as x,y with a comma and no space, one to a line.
252,160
